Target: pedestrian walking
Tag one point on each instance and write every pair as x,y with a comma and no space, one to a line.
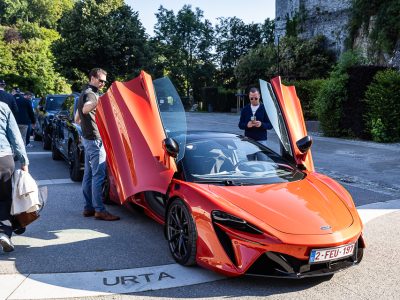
29,95
10,141
7,98
25,115
95,155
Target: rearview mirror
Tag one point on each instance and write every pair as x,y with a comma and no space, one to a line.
304,144
171,147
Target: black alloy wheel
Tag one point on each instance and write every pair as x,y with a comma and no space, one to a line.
105,193
36,137
181,233
55,154
46,141
75,172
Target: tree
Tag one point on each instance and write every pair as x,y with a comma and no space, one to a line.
29,63
234,39
106,34
45,13
184,48
259,63
305,59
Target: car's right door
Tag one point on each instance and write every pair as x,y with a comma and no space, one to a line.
285,113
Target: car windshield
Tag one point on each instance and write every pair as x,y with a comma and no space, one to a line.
54,102
236,161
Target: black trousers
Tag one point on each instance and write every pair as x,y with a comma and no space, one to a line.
7,167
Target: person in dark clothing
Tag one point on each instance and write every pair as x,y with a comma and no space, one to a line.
10,142
253,118
95,155
28,96
7,98
25,115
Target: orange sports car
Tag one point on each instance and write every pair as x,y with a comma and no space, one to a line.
228,203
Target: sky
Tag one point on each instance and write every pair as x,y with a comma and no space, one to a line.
248,10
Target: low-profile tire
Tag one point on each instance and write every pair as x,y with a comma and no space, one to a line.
55,154
46,141
36,137
181,233
105,193
75,172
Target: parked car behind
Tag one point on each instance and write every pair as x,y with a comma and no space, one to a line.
46,110
66,138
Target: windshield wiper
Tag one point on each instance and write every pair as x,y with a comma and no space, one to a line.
224,182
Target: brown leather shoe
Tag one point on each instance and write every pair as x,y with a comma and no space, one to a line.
88,213
105,216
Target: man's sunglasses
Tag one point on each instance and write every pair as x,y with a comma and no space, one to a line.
254,98
102,81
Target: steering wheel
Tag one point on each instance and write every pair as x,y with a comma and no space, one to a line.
249,166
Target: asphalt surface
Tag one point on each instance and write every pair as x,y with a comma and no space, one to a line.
62,241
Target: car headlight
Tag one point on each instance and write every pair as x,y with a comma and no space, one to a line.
231,221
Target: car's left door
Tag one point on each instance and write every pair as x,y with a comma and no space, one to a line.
133,132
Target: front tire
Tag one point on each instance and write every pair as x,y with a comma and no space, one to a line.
46,141
75,172
181,233
55,154
106,191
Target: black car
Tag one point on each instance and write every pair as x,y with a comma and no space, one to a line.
46,110
66,138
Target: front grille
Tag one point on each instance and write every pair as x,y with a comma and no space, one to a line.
274,264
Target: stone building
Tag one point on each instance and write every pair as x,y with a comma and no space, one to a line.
327,17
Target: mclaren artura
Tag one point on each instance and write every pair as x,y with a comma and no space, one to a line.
228,203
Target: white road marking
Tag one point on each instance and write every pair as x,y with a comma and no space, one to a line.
61,237
39,153
371,211
54,181
9,283
86,284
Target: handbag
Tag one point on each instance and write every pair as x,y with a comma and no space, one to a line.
25,218
28,200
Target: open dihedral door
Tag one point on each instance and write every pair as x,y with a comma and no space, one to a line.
285,113
132,132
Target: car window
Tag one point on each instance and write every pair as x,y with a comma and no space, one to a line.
239,160
172,112
54,102
66,106
275,115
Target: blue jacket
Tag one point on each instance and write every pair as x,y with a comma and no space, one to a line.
256,133
10,136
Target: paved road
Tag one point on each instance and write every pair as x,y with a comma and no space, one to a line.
63,242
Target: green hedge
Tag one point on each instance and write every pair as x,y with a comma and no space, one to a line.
329,103
383,104
307,91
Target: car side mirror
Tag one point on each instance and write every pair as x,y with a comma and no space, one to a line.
171,147
304,144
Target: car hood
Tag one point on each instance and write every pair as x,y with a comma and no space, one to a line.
51,112
301,207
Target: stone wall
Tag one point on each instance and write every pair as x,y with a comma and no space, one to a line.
329,18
